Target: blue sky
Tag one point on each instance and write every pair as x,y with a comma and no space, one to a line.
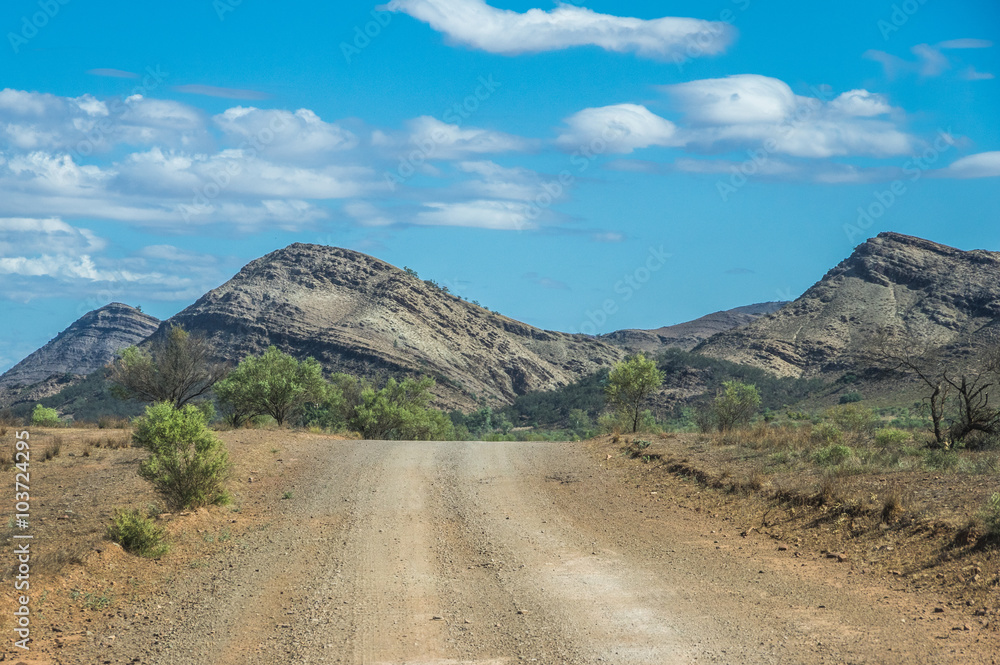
586,166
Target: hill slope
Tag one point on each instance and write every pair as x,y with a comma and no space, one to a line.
84,347
689,334
355,313
940,293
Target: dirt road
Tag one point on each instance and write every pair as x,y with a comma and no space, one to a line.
490,553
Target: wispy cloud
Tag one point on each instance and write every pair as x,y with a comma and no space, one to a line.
545,282
216,91
113,73
931,60
478,25
981,165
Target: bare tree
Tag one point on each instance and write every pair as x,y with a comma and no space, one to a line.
890,350
964,386
177,368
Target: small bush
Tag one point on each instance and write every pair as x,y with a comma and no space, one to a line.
187,463
890,436
990,517
136,532
833,455
894,504
45,417
827,433
113,422
851,397
853,418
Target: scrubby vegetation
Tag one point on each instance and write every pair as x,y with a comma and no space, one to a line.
187,463
136,532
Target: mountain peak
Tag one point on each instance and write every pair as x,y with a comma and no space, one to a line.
941,293
88,344
358,314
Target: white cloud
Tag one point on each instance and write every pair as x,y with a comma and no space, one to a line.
440,140
284,135
930,59
498,182
981,165
478,25
481,214
621,128
367,214
85,125
750,110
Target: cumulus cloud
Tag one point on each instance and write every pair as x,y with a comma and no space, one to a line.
283,134
621,128
749,110
47,257
86,125
476,24
980,165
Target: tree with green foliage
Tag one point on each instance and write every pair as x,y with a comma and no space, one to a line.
400,411
274,384
177,368
187,463
44,417
630,385
736,405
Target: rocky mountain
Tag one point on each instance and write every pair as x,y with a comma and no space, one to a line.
358,314
939,293
84,347
689,334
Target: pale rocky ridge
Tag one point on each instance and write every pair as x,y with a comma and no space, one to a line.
87,345
941,294
357,314
689,334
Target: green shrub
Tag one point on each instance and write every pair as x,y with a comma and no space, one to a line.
736,405
827,433
137,533
45,417
853,418
851,397
890,436
833,455
187,463
990,517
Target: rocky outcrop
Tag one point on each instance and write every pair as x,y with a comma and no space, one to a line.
88,344
355,313
690,334
938,293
